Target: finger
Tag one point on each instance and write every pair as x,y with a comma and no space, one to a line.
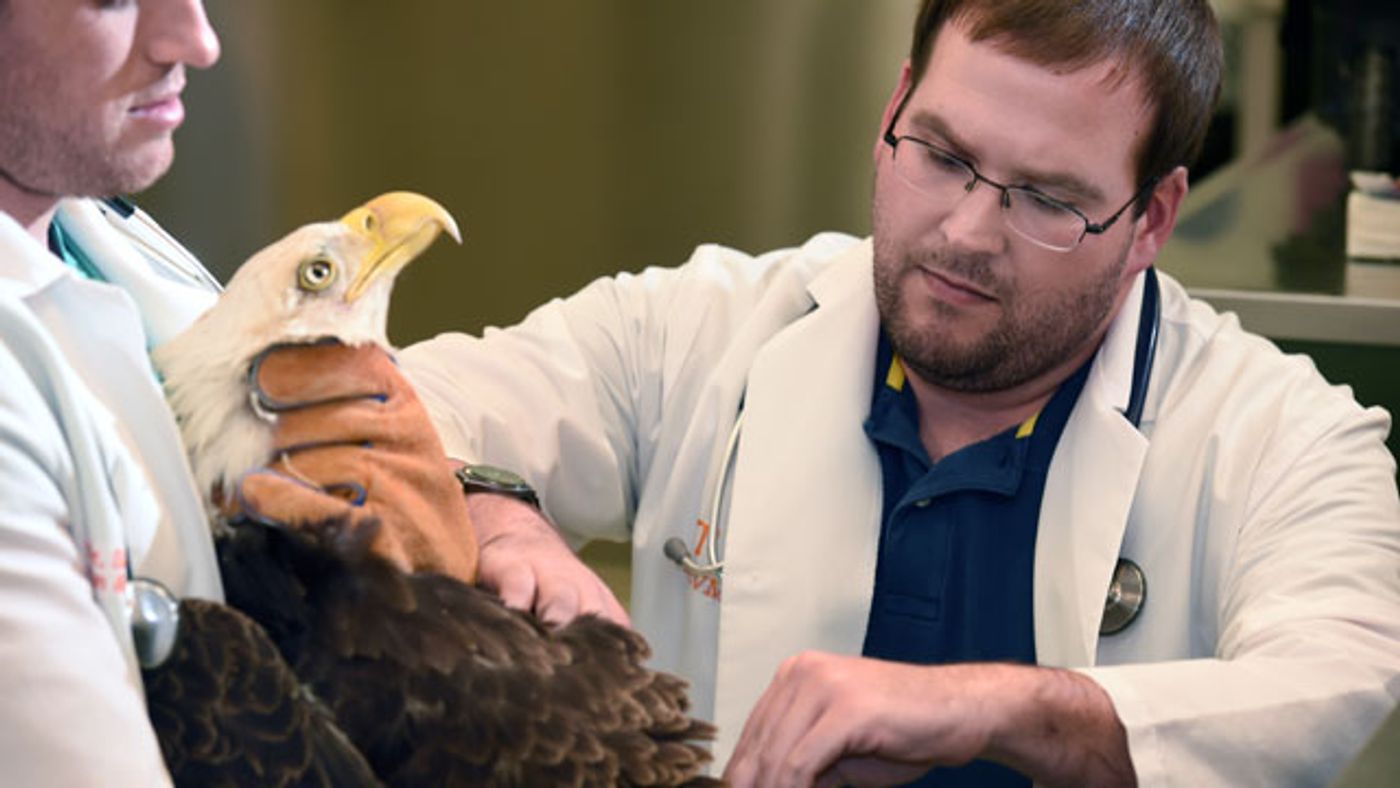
351,468
793,703
557,604
399,423
592,594
290,375
608,606
514,584
569,588
597,598
744,764
814,749
273,498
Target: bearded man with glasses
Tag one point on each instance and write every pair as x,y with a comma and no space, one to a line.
984,499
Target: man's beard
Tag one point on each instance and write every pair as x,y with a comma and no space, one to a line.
1029,339
52,166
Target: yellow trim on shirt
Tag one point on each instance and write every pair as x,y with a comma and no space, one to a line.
1027,427
895,377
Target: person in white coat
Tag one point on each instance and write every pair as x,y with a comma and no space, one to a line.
1203,563
92,479
94,485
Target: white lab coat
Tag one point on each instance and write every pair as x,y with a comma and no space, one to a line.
90,461
1259,501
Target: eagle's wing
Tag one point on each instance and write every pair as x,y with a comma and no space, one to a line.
228,711
438,683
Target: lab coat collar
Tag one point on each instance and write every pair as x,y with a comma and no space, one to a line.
1112,374
168,304
27,266
1088,496
849,281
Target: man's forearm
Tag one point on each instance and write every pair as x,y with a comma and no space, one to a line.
494,516
1062,729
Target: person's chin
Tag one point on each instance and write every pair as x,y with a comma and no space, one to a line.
144,166
955,326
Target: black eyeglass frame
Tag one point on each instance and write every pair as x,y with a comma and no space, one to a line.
1090,227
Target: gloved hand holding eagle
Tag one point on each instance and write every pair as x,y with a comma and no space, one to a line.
353,649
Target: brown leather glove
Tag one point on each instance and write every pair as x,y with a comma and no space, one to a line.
353,439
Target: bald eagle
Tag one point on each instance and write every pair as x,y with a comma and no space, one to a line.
330,666
324,280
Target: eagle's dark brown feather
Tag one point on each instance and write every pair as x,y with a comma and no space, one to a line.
229,711
438,683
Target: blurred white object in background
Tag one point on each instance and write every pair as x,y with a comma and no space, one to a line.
1373,235
1373,218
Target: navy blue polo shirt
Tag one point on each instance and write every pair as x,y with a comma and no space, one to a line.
953,579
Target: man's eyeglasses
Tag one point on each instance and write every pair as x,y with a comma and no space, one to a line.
1037,217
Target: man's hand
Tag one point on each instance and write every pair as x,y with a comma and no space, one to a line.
353,440
524,560
838,720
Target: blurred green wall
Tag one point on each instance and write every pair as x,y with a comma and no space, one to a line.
571,139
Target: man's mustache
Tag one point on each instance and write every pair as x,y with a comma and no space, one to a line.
170,83
974,268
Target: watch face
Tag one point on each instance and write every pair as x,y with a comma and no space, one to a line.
496,477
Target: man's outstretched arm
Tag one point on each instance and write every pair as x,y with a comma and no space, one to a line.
840,720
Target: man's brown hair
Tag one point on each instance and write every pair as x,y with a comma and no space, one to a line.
1172,47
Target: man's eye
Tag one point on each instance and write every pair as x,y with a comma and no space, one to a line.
1043,204
946,161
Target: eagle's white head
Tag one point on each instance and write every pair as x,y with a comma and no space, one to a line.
324,280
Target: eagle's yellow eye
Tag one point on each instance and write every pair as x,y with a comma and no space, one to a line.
316,274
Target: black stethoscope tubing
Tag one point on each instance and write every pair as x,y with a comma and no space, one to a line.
1149,324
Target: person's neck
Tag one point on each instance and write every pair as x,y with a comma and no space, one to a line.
33,211
950,420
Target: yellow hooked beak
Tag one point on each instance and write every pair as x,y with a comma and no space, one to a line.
399,226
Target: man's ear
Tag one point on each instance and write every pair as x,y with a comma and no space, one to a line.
906,78
1155,226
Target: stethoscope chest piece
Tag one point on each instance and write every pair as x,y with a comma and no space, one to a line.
1126,596
155,621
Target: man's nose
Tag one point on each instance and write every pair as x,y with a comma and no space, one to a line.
180,33
976,222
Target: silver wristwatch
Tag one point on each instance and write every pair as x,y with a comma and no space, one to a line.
489,478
